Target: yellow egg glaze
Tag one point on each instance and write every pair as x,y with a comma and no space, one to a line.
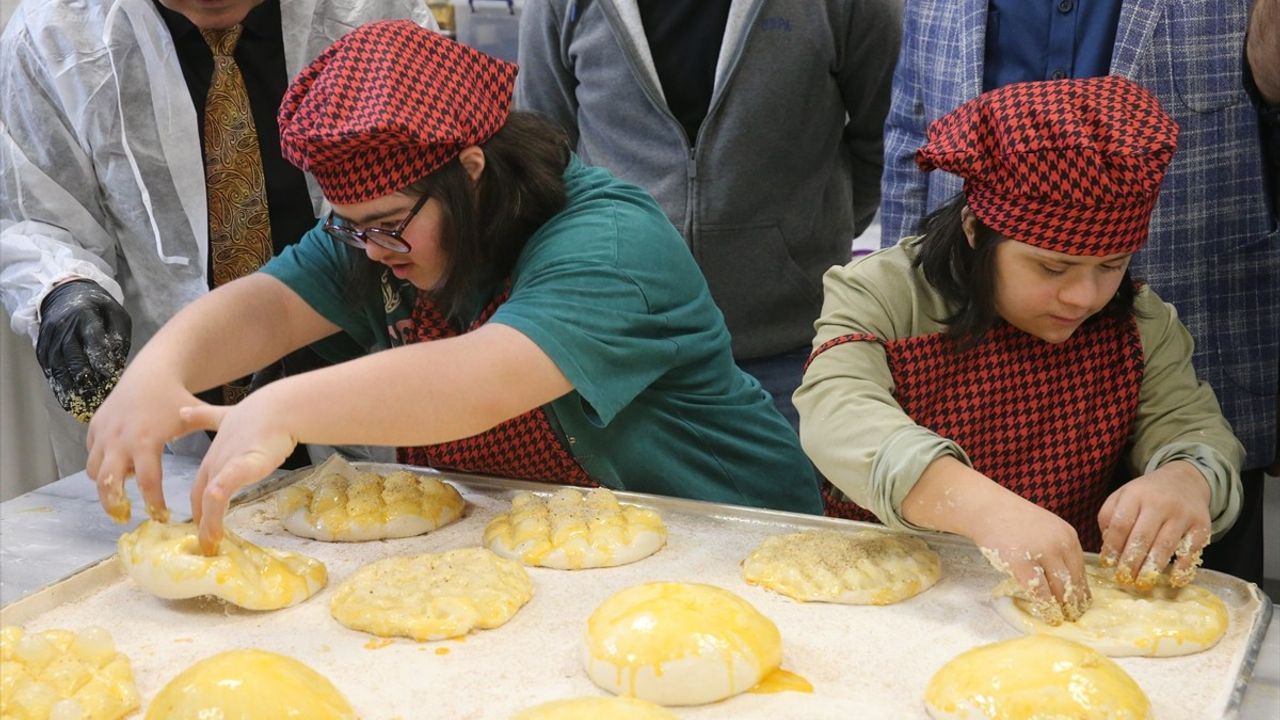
597,708
358,506
165,560
868,567
63,675
1125,621
572,530
249,685
679,644
432,596
1034,678
782,681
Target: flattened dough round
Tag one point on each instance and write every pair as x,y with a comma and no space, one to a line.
867,567
338,503
1122,621
1034,677
679,644
249,685
573,530
596,708
165,560
64,674
432,596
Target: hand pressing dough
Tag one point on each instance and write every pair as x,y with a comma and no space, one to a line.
572,530
432,596
165,560
595,708
338,503
1034,677
1123,621
64,675
679,644
868,567
249,685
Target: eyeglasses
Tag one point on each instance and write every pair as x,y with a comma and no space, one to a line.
390,239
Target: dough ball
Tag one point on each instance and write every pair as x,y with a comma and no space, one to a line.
868,567
432,596
249,685
573,530
679,644
165,560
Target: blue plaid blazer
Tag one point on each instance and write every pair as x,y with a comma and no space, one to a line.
1214,252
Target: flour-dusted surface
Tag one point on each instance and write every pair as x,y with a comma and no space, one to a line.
863,661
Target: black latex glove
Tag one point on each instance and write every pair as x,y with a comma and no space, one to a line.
83,344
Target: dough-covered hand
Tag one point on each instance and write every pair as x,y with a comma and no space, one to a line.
83,343
251,442
1042,552
127,436
1153,519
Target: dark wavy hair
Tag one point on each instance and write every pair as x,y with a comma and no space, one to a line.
964,275
486,224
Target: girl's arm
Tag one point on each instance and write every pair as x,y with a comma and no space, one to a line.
419,394
231,332
1038,548
1189,460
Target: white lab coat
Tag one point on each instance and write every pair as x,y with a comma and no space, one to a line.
101,174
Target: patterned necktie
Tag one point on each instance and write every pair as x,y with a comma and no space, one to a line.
239,224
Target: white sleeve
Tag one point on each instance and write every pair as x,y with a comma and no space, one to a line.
52,224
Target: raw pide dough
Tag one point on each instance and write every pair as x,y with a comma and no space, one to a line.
679,644
339,503
1034,677
867,567
597,708
1123,621
249,685
165,560
64,675
573,530
432,596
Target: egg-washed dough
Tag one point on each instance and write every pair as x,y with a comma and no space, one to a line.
573,530
868,567
249,685
1034,677
165,560
596,708
432,596
64,675
679,644
1123,621
337,503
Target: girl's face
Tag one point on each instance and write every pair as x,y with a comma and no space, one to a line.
425,262
1050,294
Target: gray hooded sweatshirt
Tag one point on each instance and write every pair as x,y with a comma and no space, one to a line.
785,170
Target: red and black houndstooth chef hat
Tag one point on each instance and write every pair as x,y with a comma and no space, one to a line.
388,104
1067,165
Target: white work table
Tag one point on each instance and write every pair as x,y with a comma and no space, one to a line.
59,529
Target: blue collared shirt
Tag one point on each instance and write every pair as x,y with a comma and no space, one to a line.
1048,40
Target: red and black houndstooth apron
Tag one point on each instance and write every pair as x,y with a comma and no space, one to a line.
1049,422
524,447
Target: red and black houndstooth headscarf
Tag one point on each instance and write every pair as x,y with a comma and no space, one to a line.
388,104
1072,166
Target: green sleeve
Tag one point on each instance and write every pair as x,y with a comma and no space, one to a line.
851,426
321,272
1178,414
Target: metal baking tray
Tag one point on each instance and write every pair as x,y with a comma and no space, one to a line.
863,661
